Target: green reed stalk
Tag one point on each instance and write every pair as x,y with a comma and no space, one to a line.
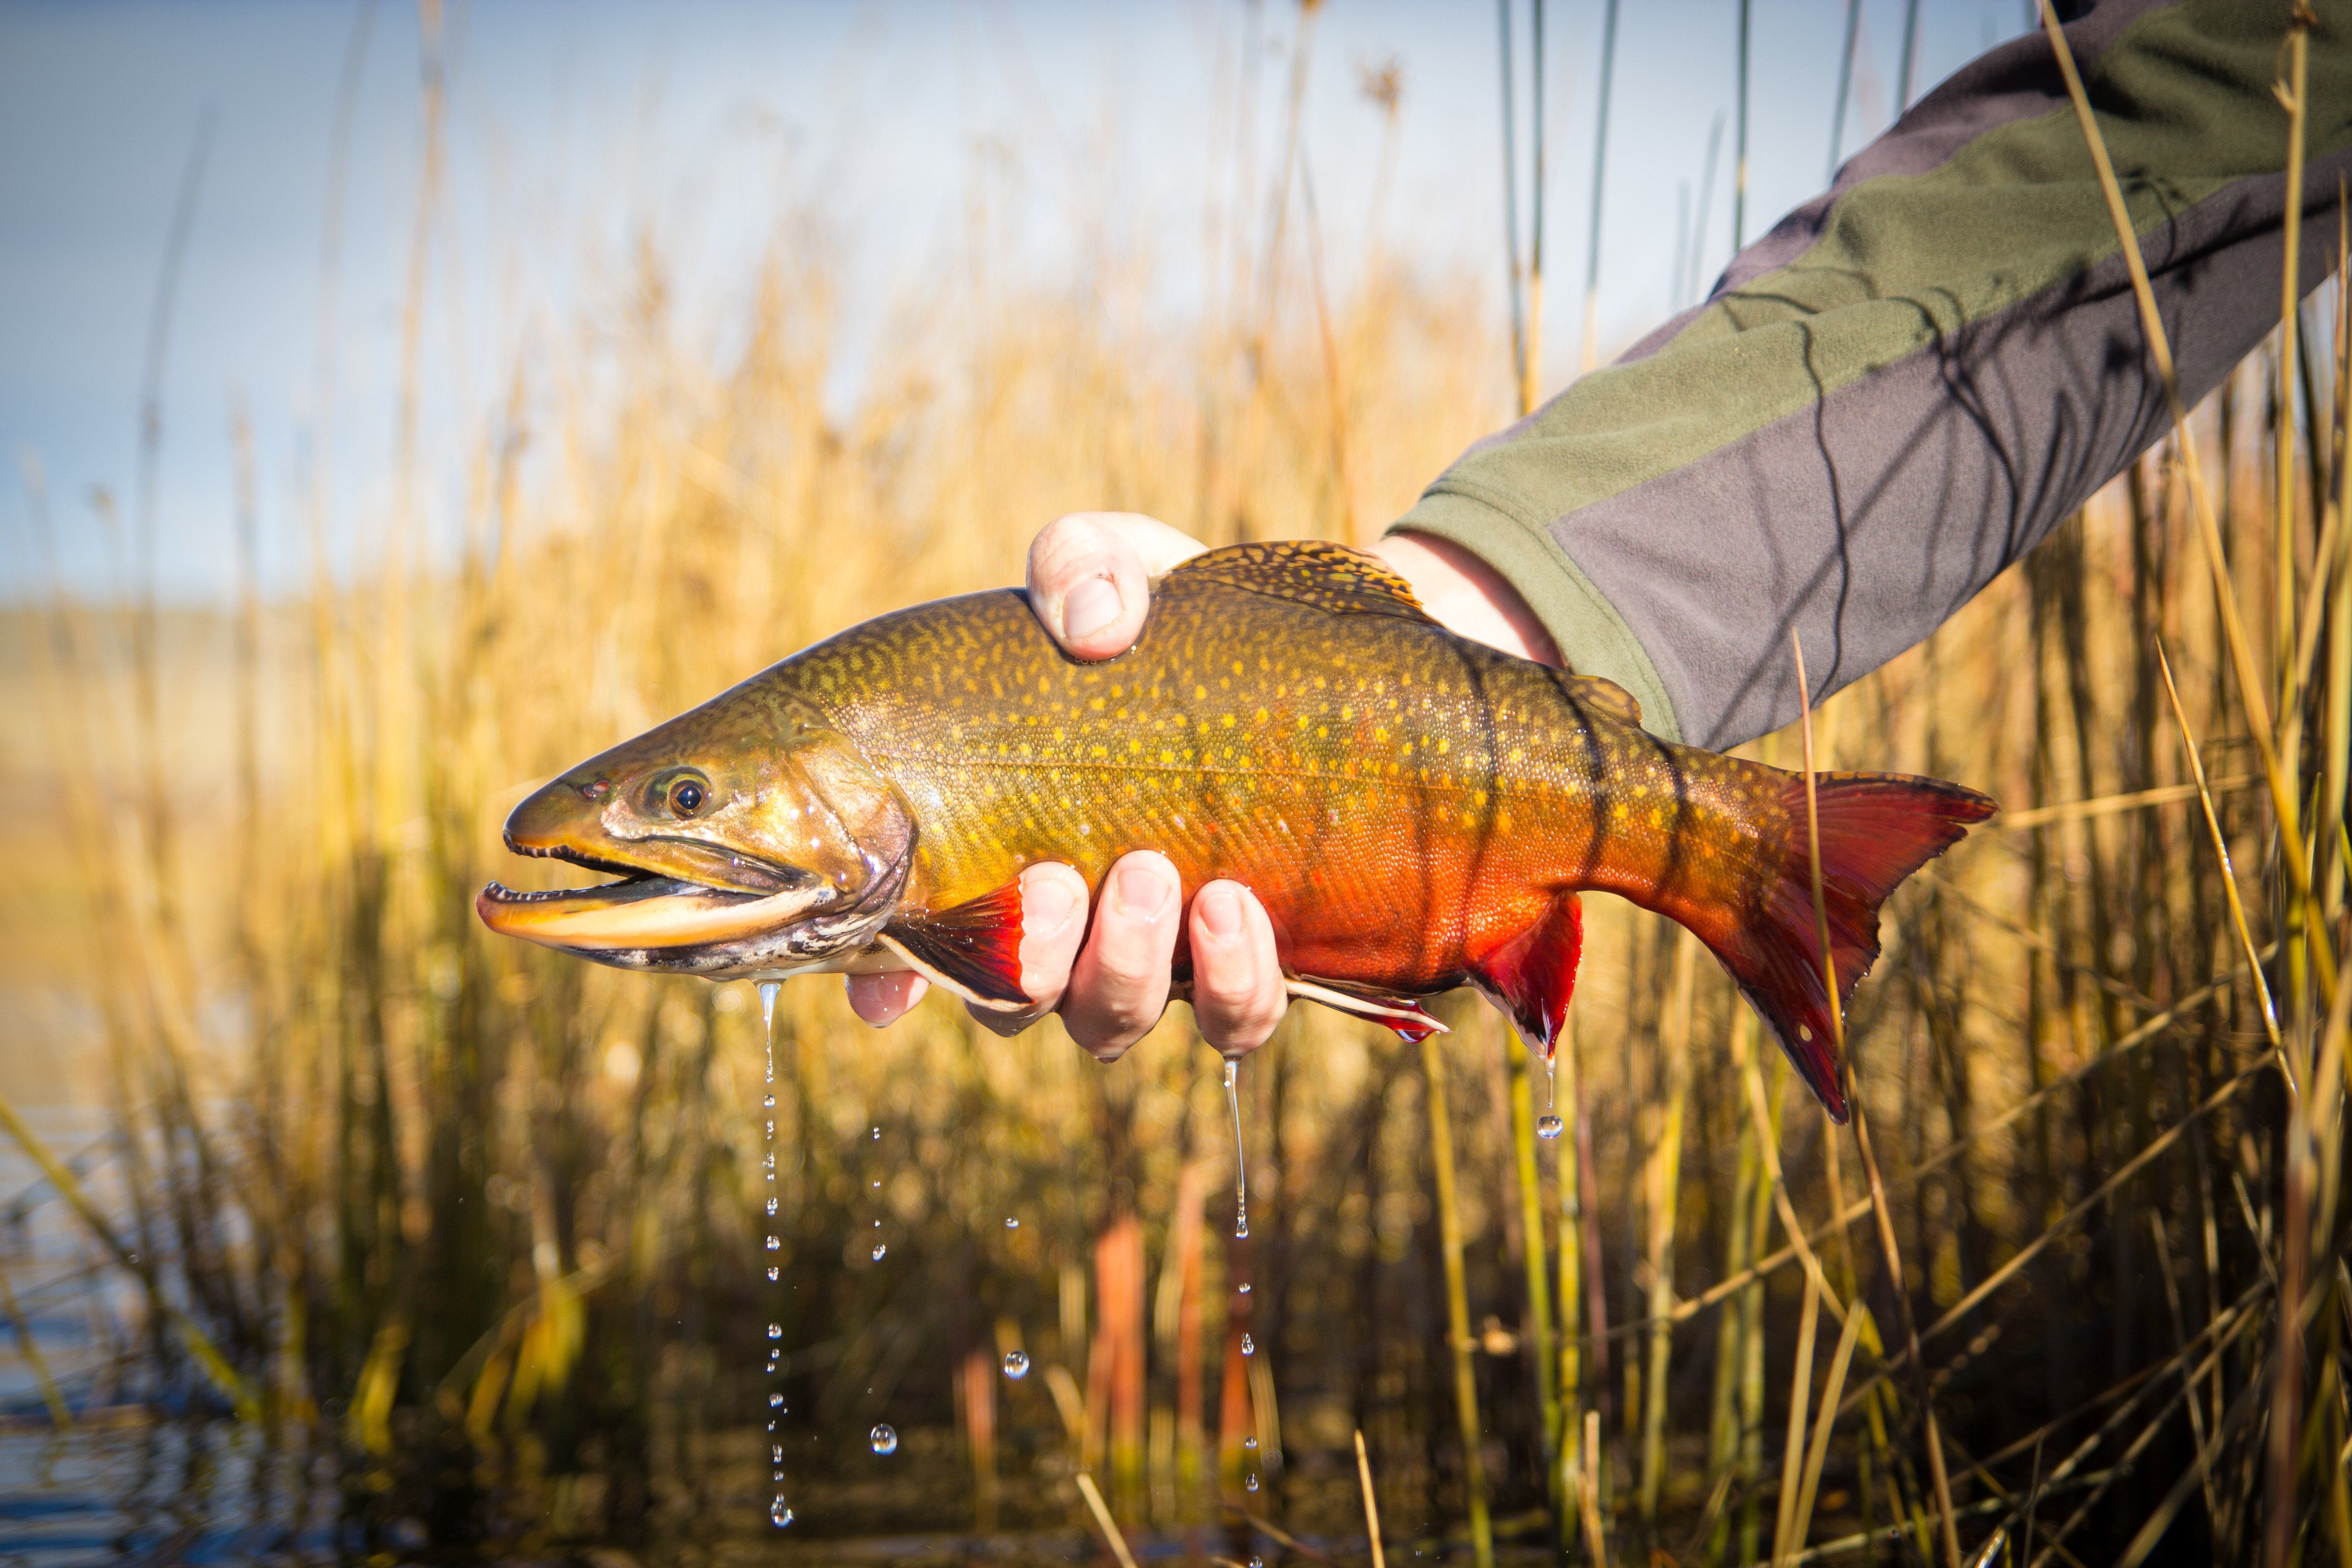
1588,352
1665,1182
1457,1302
1730,1341
1533,1252
1574,1460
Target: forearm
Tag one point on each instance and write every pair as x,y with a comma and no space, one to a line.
1910,381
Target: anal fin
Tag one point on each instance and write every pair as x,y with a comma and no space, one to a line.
972,949
1403,1014
1532,975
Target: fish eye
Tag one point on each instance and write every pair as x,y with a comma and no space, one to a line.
685,797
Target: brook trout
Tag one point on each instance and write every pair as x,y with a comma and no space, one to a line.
1415,810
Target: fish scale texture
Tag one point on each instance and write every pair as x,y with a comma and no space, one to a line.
1405,803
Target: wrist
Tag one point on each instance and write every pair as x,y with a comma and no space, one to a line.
1466,595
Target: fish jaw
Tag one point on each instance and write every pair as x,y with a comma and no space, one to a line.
667,925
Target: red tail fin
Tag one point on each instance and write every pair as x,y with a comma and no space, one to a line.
1876,830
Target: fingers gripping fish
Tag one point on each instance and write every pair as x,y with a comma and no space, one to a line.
1416,811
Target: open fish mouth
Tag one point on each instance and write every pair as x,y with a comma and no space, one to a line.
648,919
648,909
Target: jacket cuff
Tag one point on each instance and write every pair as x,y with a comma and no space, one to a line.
1592,639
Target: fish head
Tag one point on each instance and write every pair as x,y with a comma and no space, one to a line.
749,836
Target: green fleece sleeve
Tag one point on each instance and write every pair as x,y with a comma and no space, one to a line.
1913,378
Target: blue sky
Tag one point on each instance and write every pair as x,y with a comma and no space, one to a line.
573,125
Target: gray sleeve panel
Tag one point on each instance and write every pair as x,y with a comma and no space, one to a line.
1866,520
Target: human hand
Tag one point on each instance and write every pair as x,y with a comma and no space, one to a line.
1089,580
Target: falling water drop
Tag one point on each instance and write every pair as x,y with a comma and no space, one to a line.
775,1330
779,1514
883,1439
1251,1483
1249,1442
768,989
1247,1348
775,1274
774,1242
879,1248
877,1134
1245,1290
1256,1561
1551,1078
1548,1127
1010,1223
1016,1365
776,1402
1241,1183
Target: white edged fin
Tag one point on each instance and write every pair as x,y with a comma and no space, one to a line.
903,957
1409,1013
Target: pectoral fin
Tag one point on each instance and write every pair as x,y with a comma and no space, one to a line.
972,949
1532,975
1402,1013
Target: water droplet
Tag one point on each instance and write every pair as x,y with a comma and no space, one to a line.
774,1242
768,989
772,1206
1251,1483
775,1453
1016,1365
1548,1127
767,1102
1245,1290
883,1439
775,1330
879,1250
775,1274
1247,1348
877,1225
1010,1223
779,1514
877,1135
1249,1442
776,1402
1551,1077
1256,1561
1241,1226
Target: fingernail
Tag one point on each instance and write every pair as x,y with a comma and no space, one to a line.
1092,605
1141,893
1221,912
1045,906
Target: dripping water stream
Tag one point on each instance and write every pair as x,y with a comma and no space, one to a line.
1547,1125
779,1512
1241,1181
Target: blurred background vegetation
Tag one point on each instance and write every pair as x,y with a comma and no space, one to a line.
453,1245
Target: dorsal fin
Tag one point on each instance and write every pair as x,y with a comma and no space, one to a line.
1603,695
1328,576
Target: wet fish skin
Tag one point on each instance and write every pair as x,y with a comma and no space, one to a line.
1415,810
